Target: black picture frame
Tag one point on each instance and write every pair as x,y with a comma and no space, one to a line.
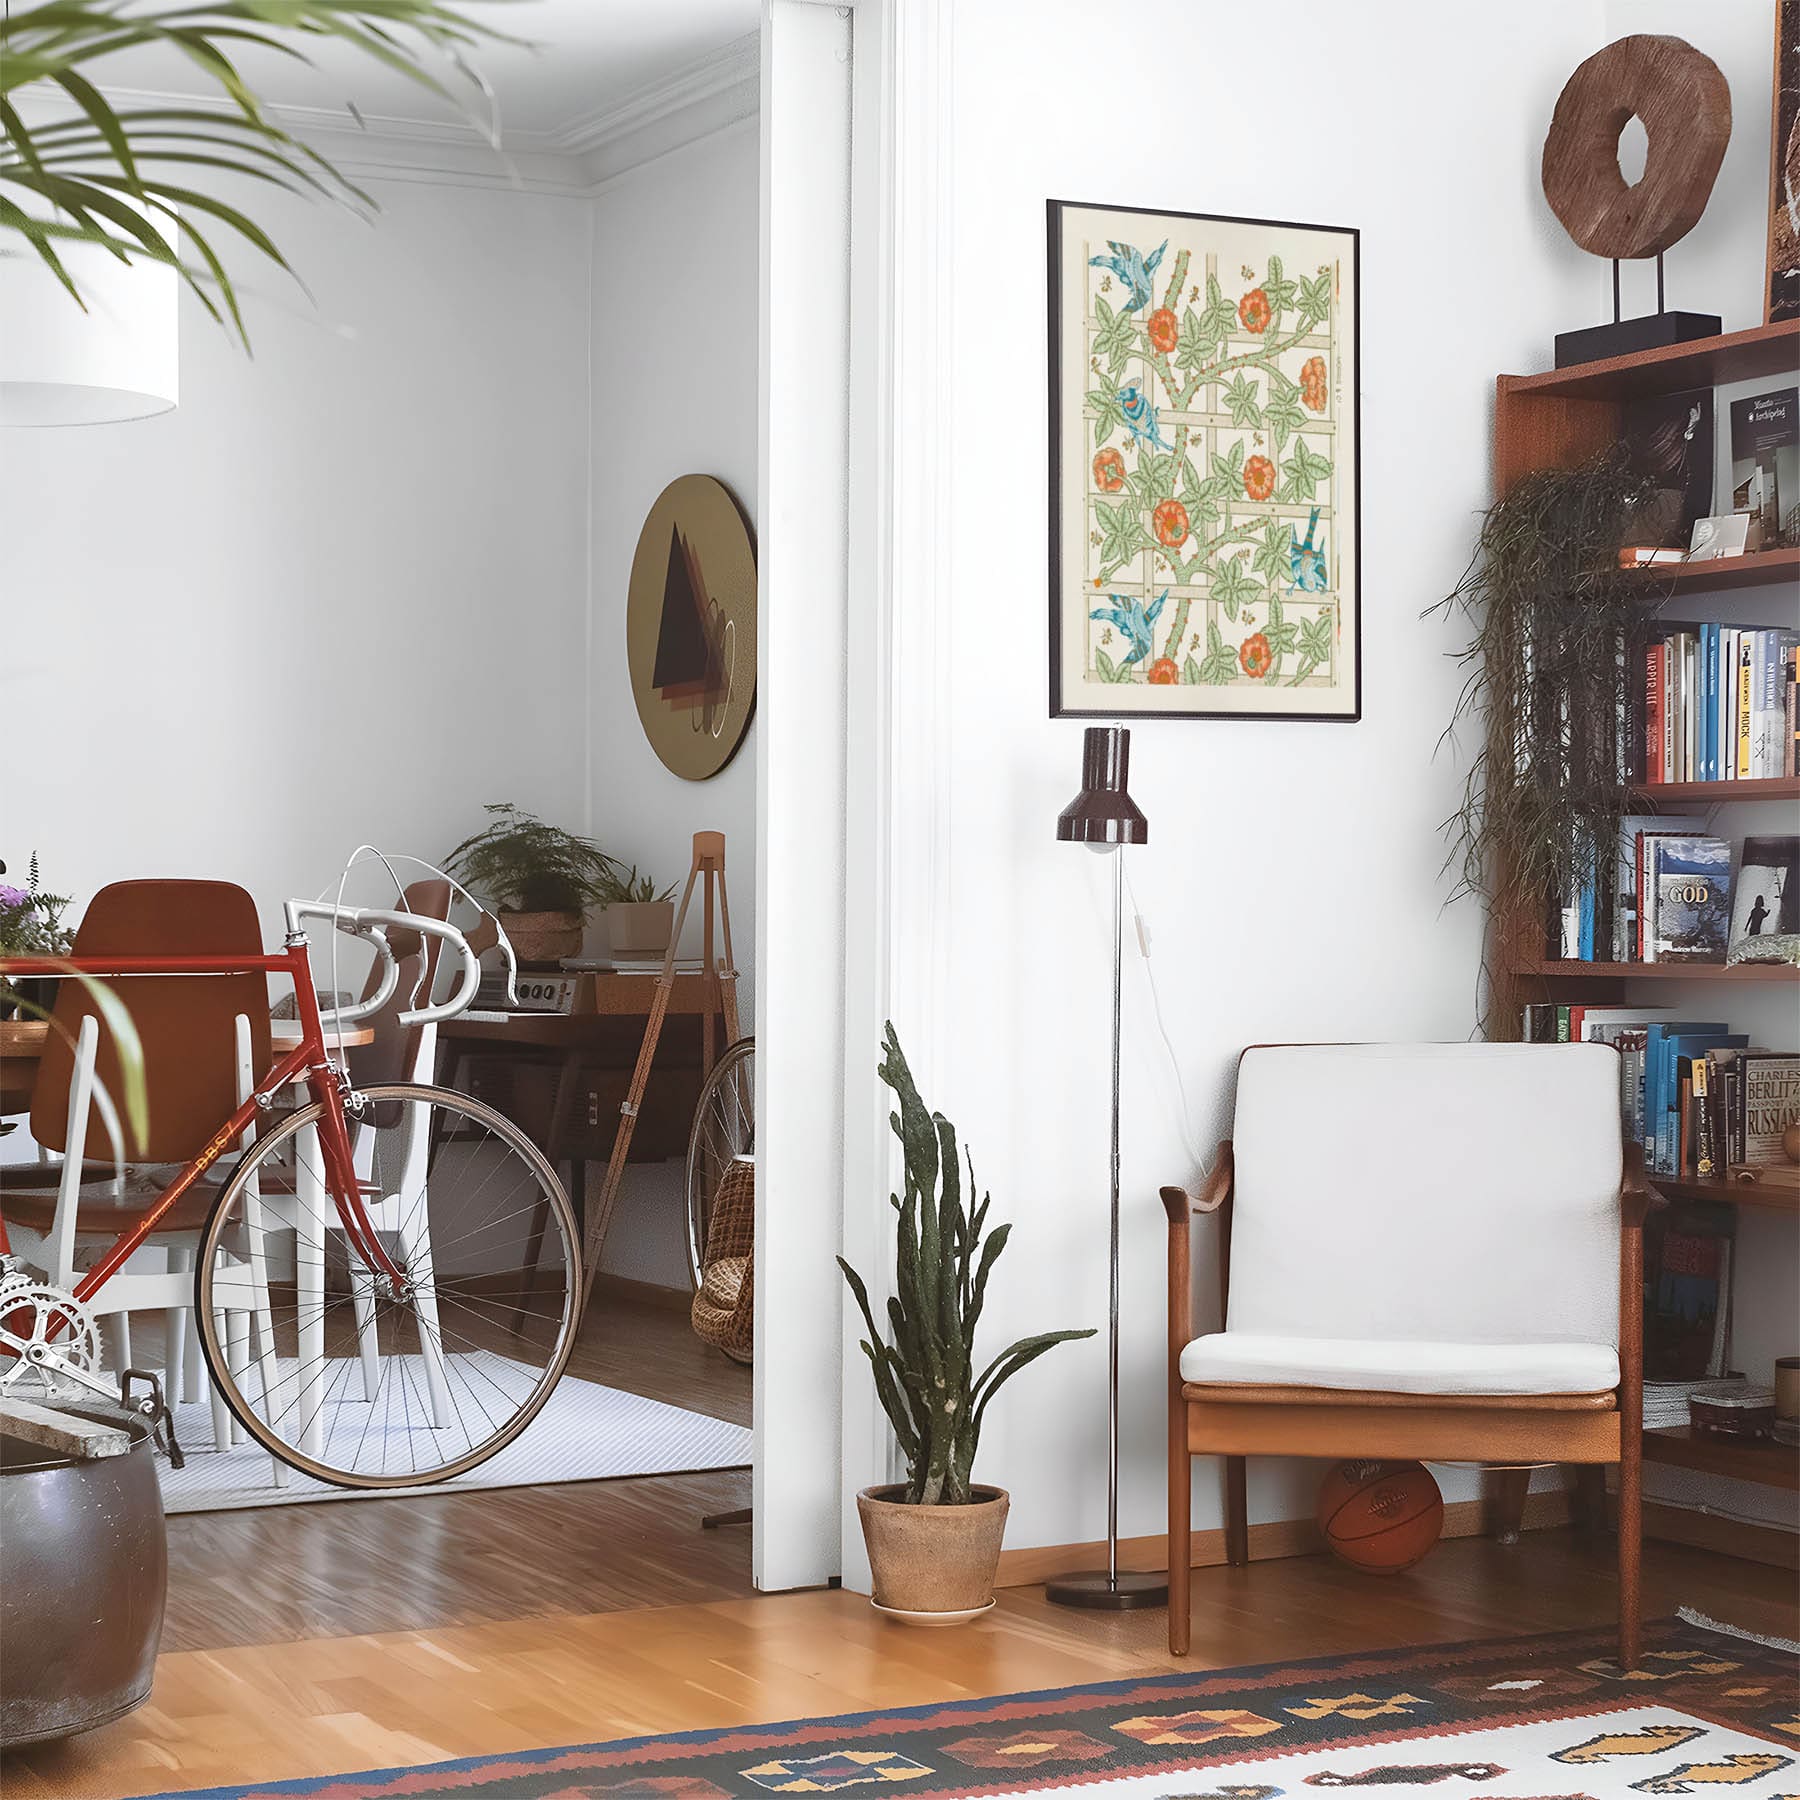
1348,709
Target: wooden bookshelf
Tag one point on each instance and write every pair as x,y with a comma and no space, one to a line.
1558,420
1765,1197
1552,970
1713,793
1759,568
1763,350
1743,1459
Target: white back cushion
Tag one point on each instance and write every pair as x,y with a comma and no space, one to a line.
1457,1192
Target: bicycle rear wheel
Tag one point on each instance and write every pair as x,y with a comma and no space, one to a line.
724,1127
344,1374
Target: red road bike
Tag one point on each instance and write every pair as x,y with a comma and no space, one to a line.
387,1280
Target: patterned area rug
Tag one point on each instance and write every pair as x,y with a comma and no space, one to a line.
1545,1718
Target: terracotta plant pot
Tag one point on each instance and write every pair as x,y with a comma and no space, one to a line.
640,927
933,1564
542,939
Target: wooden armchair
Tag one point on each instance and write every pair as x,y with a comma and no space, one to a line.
1428,1251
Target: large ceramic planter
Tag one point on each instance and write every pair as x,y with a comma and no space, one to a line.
933,1565
639,928
542,939
81,1602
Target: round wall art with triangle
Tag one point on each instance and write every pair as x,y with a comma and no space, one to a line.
690,626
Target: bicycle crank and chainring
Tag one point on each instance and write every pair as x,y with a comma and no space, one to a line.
47,1339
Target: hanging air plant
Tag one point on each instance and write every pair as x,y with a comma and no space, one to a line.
1548,678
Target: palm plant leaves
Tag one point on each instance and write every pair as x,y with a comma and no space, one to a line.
123,180
924,1366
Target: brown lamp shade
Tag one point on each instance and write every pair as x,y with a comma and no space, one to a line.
1103,812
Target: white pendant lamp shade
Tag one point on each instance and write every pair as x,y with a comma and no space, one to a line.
61,366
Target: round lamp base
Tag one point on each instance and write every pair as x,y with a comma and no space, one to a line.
1095,1590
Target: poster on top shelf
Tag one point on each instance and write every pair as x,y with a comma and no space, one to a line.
1205,495
1765,462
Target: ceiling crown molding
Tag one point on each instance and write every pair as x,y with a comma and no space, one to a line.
723,74
708,95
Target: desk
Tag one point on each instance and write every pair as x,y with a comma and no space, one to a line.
562,1076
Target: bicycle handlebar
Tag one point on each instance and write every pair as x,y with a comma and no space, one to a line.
373,925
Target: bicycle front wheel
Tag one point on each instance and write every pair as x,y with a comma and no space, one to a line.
358,1379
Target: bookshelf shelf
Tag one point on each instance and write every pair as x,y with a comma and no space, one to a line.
1771,1197
1759,568
1764,350
1758,1460
1776,787
1656,971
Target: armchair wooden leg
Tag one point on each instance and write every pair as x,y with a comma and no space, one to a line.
1181,1544
1237,1513
1630,1548
1590,1499
1506,1501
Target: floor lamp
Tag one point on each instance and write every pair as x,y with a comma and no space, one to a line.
1104,817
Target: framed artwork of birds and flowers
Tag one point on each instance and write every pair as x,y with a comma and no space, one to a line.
1204,486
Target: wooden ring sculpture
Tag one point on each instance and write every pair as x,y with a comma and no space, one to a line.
1685,104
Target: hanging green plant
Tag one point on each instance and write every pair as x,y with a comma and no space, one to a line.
1548,682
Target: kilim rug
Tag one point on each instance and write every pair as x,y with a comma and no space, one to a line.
1542,1718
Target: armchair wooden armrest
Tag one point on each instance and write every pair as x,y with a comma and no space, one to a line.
1636,1196
1179,1204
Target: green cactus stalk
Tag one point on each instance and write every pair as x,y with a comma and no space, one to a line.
924,1371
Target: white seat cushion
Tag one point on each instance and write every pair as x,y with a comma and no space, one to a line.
1395,1366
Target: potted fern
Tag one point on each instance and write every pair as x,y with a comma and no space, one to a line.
934,1539
542,878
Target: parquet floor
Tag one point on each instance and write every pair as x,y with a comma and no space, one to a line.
330,1705
314,1640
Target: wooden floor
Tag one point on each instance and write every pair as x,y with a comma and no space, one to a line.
336,1704
319,1639
334,1568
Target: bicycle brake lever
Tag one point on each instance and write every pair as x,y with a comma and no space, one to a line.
156,1409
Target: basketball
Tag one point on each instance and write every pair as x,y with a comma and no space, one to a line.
1380,1517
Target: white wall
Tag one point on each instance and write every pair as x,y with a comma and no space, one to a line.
674,346
1292,879
377,527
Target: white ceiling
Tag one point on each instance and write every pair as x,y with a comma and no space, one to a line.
589,60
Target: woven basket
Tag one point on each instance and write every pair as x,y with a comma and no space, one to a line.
722,1312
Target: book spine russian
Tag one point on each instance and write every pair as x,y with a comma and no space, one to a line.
1742,760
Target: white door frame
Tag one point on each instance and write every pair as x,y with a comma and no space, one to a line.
852,816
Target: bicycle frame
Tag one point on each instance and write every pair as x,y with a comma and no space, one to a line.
308,1060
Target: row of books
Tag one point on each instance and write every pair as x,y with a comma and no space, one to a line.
1678,894
1699,1097
1718,704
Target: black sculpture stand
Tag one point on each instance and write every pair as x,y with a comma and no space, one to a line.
1625,337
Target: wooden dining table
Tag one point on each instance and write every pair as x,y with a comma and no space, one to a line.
22,1044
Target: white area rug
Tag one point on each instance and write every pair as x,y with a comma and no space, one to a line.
586,1432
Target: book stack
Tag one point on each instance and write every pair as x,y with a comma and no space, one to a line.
1718,704
1687,1306
1678,894
1697,1095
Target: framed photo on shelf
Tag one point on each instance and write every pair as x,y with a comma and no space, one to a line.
1204,484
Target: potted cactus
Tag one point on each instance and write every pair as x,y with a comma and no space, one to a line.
934,1539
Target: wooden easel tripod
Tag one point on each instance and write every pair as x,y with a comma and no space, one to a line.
720,977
